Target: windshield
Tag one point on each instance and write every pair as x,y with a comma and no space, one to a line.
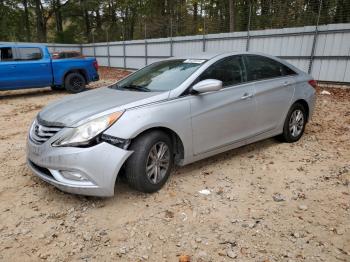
160,76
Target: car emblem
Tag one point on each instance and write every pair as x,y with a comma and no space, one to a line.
37,129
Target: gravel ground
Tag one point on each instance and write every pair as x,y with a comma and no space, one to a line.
268,201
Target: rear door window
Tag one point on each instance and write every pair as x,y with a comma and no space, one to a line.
6,54
259,68
229,70
29,53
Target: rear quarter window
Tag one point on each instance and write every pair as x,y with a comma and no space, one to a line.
260,67
29,53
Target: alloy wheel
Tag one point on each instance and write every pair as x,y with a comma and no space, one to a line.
296,123
76,82
158,162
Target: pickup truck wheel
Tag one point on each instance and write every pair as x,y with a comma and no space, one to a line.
150,165
74,83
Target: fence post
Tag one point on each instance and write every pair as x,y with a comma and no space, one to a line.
124,55
81,49
171,47
124,48
315,39
93,43
108,53
203,47
248,29
171,37
146,51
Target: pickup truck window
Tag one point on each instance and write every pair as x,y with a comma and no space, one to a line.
6,54
29,53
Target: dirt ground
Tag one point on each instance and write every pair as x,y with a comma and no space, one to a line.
268,201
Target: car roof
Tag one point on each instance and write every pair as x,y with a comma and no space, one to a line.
209,55
200,55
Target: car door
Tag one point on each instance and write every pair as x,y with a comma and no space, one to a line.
226,116
274,89
33,68
8,79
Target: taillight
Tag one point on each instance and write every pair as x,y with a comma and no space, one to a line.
95,64
313,83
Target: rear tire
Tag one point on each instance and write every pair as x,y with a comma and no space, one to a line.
74,83
149,167
294,124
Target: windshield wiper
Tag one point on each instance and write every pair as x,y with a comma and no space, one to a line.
136,87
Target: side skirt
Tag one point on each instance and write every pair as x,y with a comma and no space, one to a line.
253,139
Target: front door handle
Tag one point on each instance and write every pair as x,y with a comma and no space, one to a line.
246,96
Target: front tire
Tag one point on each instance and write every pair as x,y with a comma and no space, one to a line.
74,83
294,124
149,167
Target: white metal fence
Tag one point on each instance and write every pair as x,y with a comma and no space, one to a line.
324,51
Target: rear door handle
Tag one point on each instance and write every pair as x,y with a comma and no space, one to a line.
246,96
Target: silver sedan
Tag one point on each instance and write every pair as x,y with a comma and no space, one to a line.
172,112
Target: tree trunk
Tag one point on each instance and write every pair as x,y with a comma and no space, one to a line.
125,23
102,35
232,15
88,35
132,23
341,14
195,17
26,20
58,16
40,23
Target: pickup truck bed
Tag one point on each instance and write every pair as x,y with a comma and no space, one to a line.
30,66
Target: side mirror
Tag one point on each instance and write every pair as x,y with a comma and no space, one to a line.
208,85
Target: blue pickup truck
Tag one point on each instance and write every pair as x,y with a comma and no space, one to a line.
30,66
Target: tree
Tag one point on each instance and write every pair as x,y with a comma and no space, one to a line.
26,20
232,15
77,21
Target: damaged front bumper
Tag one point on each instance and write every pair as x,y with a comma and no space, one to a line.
86,171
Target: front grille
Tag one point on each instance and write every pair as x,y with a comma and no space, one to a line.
39,134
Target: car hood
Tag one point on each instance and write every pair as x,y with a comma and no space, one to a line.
74,109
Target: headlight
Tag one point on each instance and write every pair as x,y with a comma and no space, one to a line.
82,135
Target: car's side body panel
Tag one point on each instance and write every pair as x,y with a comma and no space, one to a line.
173,114
273,97
8,75
60,68
223,117
33,73
303,91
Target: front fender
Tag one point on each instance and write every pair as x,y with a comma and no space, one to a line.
172,114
